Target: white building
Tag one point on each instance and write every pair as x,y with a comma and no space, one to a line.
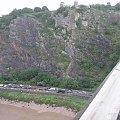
76,4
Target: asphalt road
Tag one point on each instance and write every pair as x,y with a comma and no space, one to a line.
75,93
106,104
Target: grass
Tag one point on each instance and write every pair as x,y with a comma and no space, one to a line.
74,103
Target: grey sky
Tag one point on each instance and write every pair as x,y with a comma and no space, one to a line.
6,6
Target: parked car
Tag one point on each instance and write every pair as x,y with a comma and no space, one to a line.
69,91
1,85
5,85
9,85
52,89
61,91
21,86
40,89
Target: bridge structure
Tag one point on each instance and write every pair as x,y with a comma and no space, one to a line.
105,105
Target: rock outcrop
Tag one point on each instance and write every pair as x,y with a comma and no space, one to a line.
76,46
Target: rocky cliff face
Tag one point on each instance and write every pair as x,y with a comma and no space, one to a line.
76,46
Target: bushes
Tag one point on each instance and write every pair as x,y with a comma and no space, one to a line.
85,64
82,9
51,22
47,21
86,83
26,10
117,47
45,80
44,8
113,59
6,19
38,77
24,75
78,23
63,11
117,7
115,56
37,9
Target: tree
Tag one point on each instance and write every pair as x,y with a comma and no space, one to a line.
62,4
27,10
44,8
51,22
78,23
108,3
63,10
86,83
37,9
117,6
15,13
117,47
4,21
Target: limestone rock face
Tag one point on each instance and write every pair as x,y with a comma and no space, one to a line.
68,21
74,46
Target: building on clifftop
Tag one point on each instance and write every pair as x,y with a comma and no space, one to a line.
76,4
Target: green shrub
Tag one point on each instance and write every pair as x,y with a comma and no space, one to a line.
63,10
26,10
38,77
85,64
78,23
37,9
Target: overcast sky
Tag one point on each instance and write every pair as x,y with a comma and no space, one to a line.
6,6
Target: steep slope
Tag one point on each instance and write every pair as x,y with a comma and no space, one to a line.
70,45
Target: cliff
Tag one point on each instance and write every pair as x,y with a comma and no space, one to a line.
68,43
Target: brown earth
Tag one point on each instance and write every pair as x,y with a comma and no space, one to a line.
23,113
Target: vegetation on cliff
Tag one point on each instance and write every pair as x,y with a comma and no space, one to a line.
71,47
41,78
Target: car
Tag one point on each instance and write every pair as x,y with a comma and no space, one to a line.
52,89
69,91
9,85
40,89
5,85
61,91
1,85
21,85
